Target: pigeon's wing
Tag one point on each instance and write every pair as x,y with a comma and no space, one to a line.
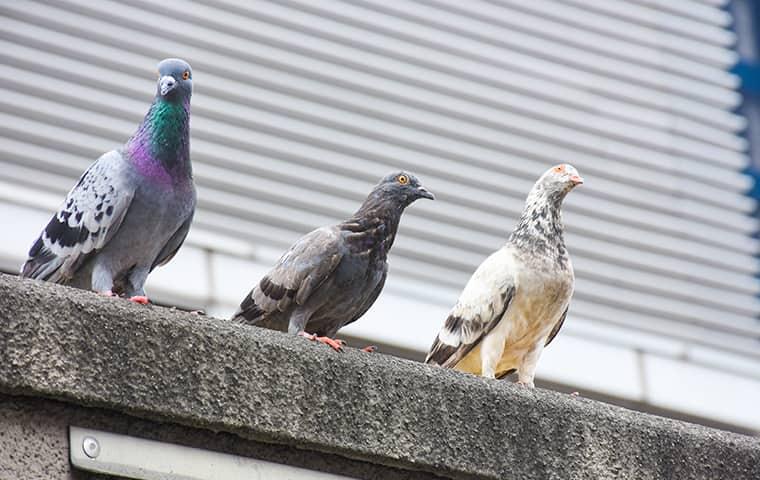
89,217
556,328
174,243
297,274
479,309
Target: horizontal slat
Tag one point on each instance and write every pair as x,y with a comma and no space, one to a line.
693,9
716,3
660,20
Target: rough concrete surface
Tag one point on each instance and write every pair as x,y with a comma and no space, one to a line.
34,443
182,369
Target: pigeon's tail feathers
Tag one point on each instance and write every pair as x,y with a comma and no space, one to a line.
441,353
297,274
248,312
505,373
51,261
466,327
42,264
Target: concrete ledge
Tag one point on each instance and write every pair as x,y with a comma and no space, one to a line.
209,375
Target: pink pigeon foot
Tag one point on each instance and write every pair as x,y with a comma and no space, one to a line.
141,299
336,344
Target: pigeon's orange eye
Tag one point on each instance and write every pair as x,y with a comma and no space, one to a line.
559,168
403,179
185,75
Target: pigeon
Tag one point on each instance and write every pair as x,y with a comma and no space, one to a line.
131,210
332,276
516,301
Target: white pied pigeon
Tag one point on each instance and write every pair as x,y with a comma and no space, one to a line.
517,299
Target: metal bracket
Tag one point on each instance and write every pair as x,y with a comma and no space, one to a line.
141,459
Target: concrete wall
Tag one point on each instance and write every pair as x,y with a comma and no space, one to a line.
70,356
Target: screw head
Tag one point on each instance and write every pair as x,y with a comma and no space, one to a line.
91,447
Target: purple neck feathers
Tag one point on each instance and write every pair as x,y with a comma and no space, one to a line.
160,149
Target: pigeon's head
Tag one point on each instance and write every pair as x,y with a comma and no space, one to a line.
175,79
560,179
403,188
395,192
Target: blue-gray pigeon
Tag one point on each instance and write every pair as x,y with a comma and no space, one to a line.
332,276
518,298
131,210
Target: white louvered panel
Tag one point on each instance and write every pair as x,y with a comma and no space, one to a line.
300,106
17,76
705,59
441,63
477,39
713,180
511,37
633,175
416,32
290,58
612,25
636,176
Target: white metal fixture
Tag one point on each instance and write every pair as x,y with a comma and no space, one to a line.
141,459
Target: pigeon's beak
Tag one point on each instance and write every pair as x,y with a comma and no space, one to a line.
576,179
423,192
166,84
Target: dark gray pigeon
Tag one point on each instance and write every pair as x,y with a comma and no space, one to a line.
332,276
131,210
518,298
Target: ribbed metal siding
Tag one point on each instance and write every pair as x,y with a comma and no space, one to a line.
300,106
